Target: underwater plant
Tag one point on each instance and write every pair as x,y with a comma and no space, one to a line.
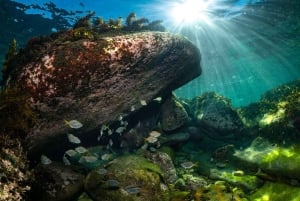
16,115
11,53
99,25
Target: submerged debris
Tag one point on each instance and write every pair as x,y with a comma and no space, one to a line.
73,124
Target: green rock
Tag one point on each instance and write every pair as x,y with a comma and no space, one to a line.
245,182
130,171
273,159
276,192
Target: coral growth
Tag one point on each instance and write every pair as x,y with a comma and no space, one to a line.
15,176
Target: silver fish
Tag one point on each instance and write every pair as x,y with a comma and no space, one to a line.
120,130
73,124
73,139
66,161
45,160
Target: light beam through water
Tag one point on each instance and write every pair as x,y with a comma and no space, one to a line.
245,51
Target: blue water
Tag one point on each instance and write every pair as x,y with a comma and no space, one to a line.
244,52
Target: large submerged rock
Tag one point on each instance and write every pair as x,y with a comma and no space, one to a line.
94,80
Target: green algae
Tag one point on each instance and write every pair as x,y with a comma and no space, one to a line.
128,171
276,192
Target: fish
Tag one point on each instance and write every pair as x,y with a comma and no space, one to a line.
154,134
104,127
73,124
45,160
110,131
120,130
71,153
87,159
151,139
120,118
102,171
66,161
99,136
73,139
106,157
132,190
124,123
158,99
112,184
110,142
81,150
143,102
187,165
132,108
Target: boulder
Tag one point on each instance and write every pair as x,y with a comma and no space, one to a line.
95,79
127,178
164,161
173,115
276,192
215,114
57,182
277,114
280,162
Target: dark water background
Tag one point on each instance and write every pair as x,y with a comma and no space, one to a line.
248,47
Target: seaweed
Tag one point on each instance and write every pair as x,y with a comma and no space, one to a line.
16,114
11,53
132,24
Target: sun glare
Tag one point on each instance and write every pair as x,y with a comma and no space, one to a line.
189,11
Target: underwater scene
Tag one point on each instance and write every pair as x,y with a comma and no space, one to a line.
157,100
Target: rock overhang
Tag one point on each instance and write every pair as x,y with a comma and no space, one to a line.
94,81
